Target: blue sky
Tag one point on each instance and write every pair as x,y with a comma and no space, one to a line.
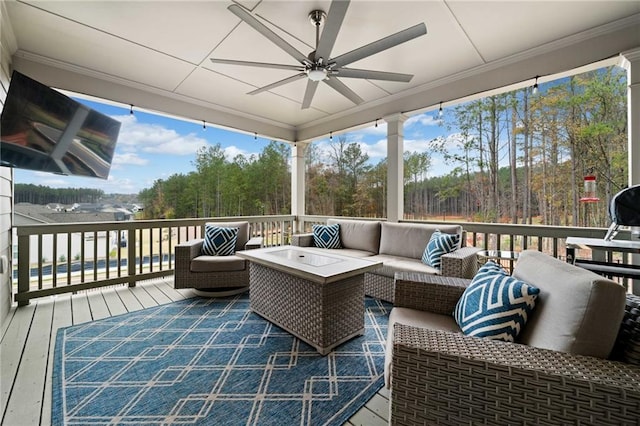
152,147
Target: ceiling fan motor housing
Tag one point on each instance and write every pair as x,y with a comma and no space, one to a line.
317,18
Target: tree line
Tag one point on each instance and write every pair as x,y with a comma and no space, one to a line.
40,194
516,157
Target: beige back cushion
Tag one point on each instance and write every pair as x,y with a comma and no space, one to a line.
576,311
358,234
243,231
410,239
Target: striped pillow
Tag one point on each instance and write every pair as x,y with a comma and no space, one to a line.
495,305
327,236
219,241
438,245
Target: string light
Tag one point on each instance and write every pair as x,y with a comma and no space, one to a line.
204,125
131,109
535,87
255,136
376,122
331,136
440,112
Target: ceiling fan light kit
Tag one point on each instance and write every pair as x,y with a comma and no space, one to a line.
319,65
317,74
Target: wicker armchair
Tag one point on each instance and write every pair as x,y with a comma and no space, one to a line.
214,275
444,377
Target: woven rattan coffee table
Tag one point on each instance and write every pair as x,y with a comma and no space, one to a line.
317,297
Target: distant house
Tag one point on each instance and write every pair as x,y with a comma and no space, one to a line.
29,214
34,214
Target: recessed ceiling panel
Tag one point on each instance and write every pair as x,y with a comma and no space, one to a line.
222,91
503,28
188,30
54,37
443,51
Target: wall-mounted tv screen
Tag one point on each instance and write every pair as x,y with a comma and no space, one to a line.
43,129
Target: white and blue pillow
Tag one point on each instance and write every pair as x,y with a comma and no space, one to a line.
495,305
219,241
439,244
327,236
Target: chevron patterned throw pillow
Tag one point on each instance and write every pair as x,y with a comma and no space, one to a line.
327,236
439,244
219,241
495,305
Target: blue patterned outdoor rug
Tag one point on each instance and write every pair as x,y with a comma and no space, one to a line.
210,362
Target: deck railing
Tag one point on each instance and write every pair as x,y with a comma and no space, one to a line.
63,258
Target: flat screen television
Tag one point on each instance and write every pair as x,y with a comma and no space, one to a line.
43,129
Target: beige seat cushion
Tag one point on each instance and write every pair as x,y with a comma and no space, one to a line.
360,235
393,264
217,264
576,311
415,318
410,239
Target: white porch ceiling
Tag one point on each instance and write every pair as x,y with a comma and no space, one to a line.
155,54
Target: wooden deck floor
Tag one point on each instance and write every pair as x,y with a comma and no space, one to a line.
28,338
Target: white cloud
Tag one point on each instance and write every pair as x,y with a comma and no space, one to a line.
230,152
425,119
128,158
156,139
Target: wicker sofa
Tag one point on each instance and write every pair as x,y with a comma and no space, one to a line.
214,275
399,246
558,372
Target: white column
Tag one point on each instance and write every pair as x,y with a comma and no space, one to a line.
395,166
632,64
298,176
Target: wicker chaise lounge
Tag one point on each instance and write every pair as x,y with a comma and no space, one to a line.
214,275
560,376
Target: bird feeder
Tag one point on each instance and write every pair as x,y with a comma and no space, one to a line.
590,194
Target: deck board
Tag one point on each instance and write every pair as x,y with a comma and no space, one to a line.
129,299
62,317
11,349
157,295
80,308
114,303
143,297
5,324
28,344
169,291
98,306
25,404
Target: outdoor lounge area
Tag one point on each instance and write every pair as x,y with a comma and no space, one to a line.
299,333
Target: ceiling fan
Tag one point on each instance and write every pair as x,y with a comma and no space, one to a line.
319,65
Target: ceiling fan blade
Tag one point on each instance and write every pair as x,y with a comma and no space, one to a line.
308,93
333,22
372,75
380,45
278,83
251,20
341,88
258,64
